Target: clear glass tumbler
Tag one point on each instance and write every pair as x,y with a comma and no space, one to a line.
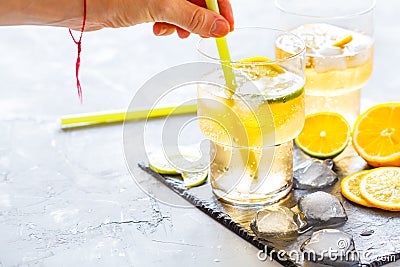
252,129
339,50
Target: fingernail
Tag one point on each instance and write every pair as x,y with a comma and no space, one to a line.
162,30
231,27
219,28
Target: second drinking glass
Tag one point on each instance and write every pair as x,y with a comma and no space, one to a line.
339,56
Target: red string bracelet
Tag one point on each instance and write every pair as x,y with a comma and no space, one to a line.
79,44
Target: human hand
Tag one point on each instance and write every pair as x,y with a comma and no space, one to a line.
198,20
184,16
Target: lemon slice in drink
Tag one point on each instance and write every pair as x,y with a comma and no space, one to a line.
325,135
259,67
381,187
350,186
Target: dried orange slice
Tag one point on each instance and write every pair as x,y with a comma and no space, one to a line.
350,186
376,135
344,41
324,135
381,187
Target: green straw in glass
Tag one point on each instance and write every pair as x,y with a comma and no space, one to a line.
248,156
224,55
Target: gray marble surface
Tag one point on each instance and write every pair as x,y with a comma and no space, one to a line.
67,198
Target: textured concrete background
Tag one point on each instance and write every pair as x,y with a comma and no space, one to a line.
67,198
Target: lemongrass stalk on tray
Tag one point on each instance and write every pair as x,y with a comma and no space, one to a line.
99,118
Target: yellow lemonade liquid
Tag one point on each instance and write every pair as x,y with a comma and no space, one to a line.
335,75
251,134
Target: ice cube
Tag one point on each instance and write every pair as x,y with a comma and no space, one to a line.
331,247
252,87
275,222
328,63
330,51
314,175
319,38
358,58
289,44
322,209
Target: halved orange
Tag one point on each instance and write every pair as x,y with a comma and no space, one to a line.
350,186
381,187
376,135
324,135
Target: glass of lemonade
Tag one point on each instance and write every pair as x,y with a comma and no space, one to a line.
252,126
339,50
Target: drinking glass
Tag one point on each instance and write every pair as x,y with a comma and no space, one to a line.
339,50
252,126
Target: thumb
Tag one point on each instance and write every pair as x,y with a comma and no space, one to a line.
196,19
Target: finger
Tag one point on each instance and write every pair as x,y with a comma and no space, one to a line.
201,3
225,8
196,19
182,33
163,28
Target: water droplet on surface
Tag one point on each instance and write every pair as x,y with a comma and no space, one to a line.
367,232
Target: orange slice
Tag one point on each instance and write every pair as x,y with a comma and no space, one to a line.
381,187
325,135
376,135
344,41
350,186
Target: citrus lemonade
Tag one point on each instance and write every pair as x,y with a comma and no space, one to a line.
251,131
338,64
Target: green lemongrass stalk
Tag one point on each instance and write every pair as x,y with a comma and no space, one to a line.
250,158
99,118
224,55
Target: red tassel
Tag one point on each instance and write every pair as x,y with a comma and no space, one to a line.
78,59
